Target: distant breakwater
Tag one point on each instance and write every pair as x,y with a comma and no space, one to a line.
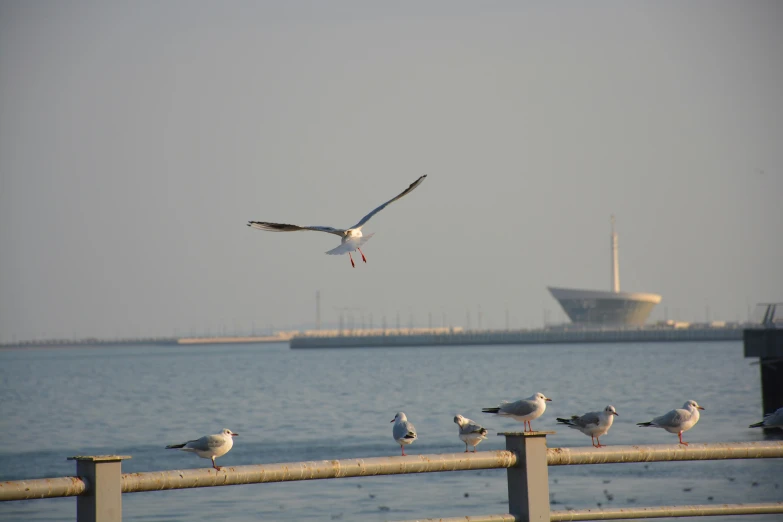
490,337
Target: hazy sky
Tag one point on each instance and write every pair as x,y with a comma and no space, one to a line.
138,138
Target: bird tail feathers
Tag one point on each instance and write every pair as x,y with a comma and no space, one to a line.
350,245
757,425
645,424
490,410
176,446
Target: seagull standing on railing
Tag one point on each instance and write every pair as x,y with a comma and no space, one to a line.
771,420
209,446
470,432
351,238
524,410
403,431
593,423
676,421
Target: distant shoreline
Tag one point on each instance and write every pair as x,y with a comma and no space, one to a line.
417,337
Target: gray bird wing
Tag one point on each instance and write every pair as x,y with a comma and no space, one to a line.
588,419
521,407
206,443
284,227
673,418
471,427
404,430
412,186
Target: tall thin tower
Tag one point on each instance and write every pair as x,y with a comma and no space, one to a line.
615,260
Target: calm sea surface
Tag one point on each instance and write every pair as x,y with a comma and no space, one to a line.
292,405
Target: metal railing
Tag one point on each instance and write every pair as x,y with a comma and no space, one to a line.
99,483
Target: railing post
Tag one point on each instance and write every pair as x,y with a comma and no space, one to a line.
103,500
528,481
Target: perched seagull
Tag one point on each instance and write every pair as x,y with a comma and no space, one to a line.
404,432
771,420
350,238
594,423
209,446
676,421
470,432
524,410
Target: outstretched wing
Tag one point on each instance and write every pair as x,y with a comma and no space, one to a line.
350,245
412,186
283,227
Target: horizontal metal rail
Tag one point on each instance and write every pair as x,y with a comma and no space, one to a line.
705,510
664,452
207,477
325,469
475,518
42,488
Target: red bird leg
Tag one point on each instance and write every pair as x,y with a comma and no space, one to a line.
362,253
682,441
598,440
351,258
403,449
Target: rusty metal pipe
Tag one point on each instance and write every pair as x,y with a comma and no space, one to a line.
233,475
476,518
707,510
665,452
42,488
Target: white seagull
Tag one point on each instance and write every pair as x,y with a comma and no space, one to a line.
403,431
676,421
470,432
771,420
209,446
350,238
524,410
593,423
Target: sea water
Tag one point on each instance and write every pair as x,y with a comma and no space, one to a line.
298,405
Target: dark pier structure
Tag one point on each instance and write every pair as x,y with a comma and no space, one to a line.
766,343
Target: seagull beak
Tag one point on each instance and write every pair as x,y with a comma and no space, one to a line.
394,419
615,413
547,399
235,434
700,407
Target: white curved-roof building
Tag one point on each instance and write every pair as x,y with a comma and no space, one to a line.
612,308
599,308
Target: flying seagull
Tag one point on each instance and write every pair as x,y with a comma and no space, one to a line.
209,446
676,421
350,238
